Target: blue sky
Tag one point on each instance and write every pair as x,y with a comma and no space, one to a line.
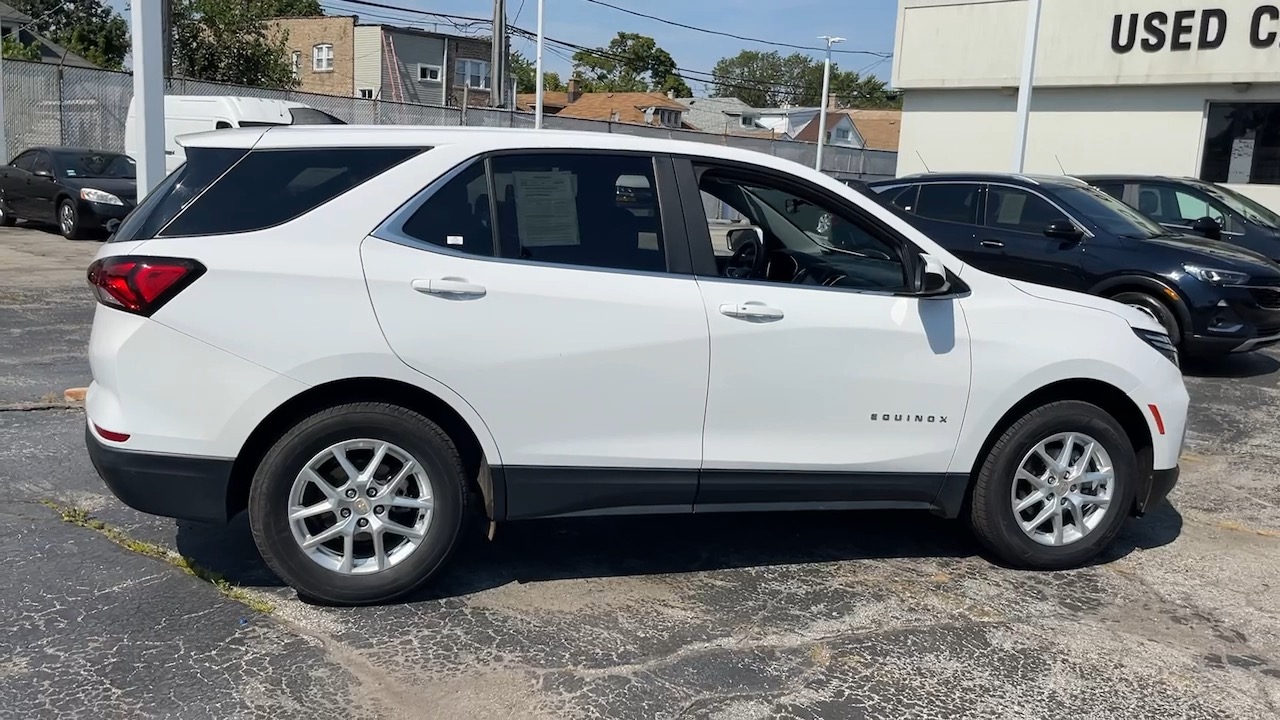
867,25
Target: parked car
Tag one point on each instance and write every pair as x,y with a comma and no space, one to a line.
1210,297
79,189
1196,207
467,321
187,114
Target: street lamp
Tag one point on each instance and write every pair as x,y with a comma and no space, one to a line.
822,101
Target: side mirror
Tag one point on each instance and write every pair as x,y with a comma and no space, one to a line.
1063,230
1207,227
933,278
741,236
112,225
42,173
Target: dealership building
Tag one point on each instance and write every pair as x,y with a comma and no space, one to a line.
1168,87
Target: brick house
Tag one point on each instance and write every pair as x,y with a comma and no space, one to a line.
322,52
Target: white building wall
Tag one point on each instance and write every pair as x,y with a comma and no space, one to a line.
1101,103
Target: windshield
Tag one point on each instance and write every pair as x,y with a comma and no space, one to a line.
96,165
1111,214
1248,207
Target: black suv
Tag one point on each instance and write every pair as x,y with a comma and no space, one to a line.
1212,297
1195,206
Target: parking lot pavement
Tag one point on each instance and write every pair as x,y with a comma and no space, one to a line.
850,615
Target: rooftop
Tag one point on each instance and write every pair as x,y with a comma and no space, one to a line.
880,129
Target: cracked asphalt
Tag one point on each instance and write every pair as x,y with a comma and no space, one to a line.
842,615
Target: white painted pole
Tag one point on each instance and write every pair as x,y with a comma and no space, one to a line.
148,92
1024,89
822,102
537,76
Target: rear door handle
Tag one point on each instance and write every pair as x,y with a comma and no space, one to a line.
449,287
750,311
991,244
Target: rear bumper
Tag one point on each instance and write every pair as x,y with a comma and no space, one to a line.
1162,482
187,488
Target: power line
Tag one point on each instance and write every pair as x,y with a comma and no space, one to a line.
732,35
722,81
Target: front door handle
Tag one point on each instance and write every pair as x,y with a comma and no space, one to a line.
449,287
991,244
750,311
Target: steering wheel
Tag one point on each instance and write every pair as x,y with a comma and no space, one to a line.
748,261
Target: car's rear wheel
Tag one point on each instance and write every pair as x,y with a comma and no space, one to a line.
1056,487
1153,307
357,504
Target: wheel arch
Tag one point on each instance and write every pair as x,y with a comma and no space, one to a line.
365,389
1158,288
1111,399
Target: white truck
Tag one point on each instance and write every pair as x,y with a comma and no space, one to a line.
187,114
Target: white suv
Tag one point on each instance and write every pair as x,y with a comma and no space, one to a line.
362,335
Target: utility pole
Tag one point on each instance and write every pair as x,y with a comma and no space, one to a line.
1024,88
148,93
498,68
826,90
4,137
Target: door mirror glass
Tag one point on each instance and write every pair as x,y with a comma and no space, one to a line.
1063,230
741,236
42,172
933,277
1208,227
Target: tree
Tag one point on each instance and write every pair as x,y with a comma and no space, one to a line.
629,63
525,73
88,28
230,41
769,79
15,49
291,8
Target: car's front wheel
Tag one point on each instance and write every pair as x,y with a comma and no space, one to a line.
1056,487
360,503
69,220
7,218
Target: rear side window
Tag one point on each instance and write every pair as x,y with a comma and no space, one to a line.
175,192
950,202
270,187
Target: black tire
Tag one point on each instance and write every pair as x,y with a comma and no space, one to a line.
992,516
7,219
74,231
269,501
1156,307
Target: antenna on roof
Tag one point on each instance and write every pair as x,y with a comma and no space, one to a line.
922,162
1064,170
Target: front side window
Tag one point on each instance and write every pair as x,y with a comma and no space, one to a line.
472,73
1172,206
949,202
1020,211
42,163
322,58
270,187
589,210
804,239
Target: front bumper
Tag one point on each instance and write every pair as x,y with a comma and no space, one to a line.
1234,320
95,216
176,486
1156,490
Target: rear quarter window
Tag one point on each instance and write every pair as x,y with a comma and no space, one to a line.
270,187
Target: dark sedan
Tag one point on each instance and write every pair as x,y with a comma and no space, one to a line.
80,190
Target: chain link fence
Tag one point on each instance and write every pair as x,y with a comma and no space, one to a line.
50,105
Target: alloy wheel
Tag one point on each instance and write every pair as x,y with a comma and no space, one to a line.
66,218
1063,489
360,506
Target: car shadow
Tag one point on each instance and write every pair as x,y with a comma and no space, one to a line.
1240,365
539,551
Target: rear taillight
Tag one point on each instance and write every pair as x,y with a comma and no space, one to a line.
141,285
